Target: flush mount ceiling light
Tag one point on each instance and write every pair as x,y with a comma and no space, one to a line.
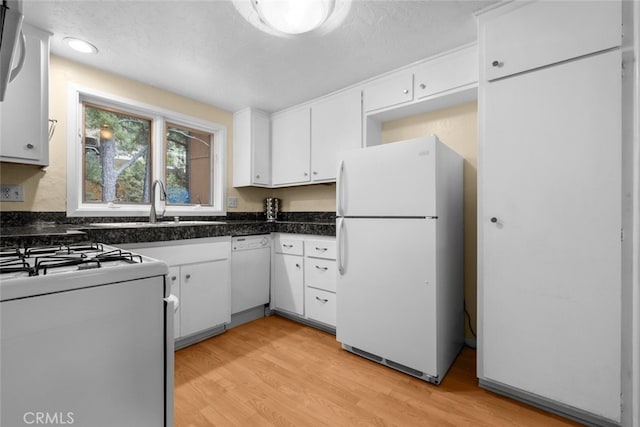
290,18
80,45
294,16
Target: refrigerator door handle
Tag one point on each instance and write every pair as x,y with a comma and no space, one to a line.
340,246
340,190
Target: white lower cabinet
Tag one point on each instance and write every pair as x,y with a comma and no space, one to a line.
304,277
205,296
200,276
288,274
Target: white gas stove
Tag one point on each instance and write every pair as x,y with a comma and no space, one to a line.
86,337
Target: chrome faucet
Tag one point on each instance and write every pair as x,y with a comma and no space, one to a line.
153,217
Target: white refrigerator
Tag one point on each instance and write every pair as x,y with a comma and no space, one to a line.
400,256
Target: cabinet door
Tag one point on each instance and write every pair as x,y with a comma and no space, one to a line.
336,125
251,148
204,291
446,73
291,145
545,32
24,112
288,292
174,279
388,91
550,220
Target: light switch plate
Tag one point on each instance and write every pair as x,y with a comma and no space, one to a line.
11,193
232,202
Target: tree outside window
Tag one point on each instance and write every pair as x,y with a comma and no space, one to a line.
116,156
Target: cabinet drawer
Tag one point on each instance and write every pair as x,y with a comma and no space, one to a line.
321,306
288,245
320,273
320,248
533,35
388,91
446,73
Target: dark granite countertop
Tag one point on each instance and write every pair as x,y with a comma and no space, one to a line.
40,233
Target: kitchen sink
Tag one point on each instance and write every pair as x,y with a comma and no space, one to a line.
157,224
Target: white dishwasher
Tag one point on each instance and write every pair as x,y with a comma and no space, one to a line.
250,271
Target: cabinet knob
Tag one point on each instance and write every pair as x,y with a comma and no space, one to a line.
173,278
30,146
423,86
188,276
258,176
306,174
315,173
406,91
497,64
494,219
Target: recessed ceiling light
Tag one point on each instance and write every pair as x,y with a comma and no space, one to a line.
80,45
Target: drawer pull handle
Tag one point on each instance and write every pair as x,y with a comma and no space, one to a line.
321,249
322,268
286,246
322,300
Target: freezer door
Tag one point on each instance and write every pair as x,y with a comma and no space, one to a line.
396,179
386,290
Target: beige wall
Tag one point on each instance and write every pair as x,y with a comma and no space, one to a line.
45,188
456,127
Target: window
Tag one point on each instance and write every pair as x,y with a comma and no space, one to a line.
121,147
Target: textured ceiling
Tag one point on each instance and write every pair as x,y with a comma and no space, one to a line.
207,51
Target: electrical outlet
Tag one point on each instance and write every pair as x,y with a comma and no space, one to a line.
232,202
11,193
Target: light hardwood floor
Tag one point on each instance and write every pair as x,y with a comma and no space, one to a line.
275,372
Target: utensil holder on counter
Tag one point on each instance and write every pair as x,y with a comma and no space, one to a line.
271,208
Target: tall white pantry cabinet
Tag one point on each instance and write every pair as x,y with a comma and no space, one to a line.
549,276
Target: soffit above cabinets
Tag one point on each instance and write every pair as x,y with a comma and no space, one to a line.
206,51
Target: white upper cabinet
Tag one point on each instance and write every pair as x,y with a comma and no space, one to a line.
24,112
251,148
388,91
536,34
335,127
446,72
291,146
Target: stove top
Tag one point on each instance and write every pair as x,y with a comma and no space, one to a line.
15,262
29,271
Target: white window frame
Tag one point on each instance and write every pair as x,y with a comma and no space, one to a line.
76,95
